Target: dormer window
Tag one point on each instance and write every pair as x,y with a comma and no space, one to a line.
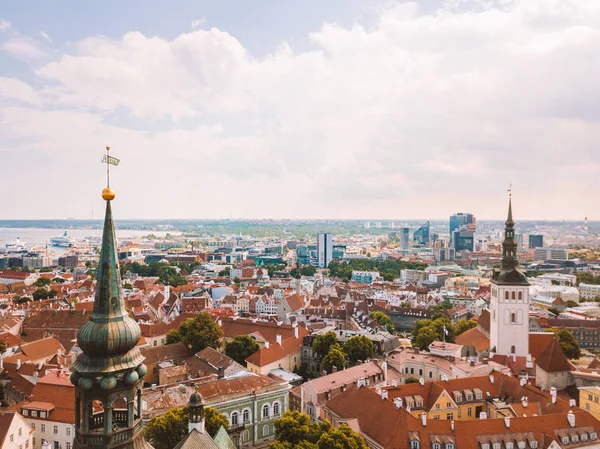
593,436
533,444
414,444
583,437
510,445
521,444
496,445
42,414
25,412
469,397
478,396
436,446
565,440
449,445
34,413
575,438
485,446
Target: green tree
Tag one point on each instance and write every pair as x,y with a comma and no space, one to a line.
295,427
167,430
335,357
200,332
213,420
425,336
42,282
384,320
572,303
308,270
127,286
411,380
323,342
341,438
173,336
567,341
242,347
225,272
41,293
463,326
359,348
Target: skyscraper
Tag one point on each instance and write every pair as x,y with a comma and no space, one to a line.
324,249
404,236
461,219
421,235
509,304
109,371
536,241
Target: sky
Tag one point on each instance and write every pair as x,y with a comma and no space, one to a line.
343,109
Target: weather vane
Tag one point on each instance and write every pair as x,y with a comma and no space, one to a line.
108,193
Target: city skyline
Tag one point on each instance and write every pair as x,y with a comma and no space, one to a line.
340,110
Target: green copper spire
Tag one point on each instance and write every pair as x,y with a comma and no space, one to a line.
108,340
509,273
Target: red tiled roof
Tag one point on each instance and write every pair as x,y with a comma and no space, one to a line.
473,337
553,358
275,351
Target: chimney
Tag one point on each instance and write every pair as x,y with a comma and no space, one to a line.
524,401
572,403
483,415
492,378
485,361
267,344
394,383
220,323
384,394
571,418
2,363
424,419
278,338
472,363
398,402
18,364
422,381
324,373
452,425
553,394
507,421
360,382
279,323
529,362
522,381
334,369
514,357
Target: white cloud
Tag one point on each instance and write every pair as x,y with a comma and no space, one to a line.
197,23
25,48
45,36
419,116
4,25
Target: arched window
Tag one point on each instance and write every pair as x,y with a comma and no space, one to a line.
246,415
513,295
506,295
276,409
265,431
513,318
234,419
520,295
512,349
265,411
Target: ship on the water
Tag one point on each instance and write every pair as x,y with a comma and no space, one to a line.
63,241
16,246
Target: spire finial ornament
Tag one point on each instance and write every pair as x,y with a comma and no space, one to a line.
108,194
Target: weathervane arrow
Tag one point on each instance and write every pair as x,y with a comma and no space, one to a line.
109,160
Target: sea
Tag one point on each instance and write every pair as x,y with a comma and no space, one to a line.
39,237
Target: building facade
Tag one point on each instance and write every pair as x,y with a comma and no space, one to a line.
324,249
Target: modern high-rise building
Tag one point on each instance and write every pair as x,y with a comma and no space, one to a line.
463,239
519,239
461,219
550,253
324,249
509,304
421,235
404,235
536,241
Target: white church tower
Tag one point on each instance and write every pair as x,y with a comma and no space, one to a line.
509,305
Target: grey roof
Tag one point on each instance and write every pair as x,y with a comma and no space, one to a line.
197,440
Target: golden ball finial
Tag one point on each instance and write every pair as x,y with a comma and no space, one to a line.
108,194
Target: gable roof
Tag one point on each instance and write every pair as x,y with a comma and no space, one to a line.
157,354
553,358
473,337
268,329
484,320
274,352
46,347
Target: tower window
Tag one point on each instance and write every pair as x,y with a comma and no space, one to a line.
513,349
505,295
520,295
513,295
513,318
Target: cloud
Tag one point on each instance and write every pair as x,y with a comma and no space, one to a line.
24,48
420,115
197,23
45,36
4,25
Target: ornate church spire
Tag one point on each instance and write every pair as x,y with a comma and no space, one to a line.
108,373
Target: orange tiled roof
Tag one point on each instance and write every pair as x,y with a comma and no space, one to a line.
275,351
